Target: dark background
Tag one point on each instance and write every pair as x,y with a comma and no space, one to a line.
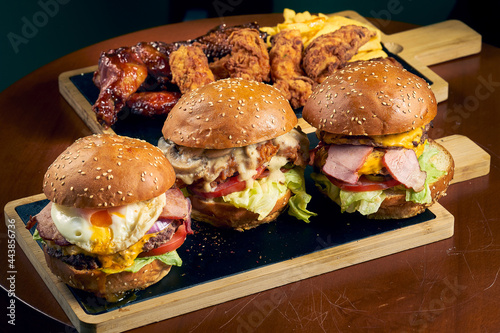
36,32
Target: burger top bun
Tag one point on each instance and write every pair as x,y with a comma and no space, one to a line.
370,98
107,170
229,113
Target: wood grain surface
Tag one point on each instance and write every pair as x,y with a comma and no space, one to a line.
447,286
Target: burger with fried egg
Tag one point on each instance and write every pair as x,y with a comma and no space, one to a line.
237,154
114,220
374,154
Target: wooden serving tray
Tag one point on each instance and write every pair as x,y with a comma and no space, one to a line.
416,49
224,265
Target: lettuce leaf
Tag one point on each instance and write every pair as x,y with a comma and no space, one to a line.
433,174
262,196
366,203
297,205
169,258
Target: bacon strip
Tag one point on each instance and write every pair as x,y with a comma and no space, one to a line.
177,208
344,161
47,229
403,166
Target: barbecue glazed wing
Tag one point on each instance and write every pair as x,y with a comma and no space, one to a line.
155,56
189,66
120,73
286,71
333,50
153,103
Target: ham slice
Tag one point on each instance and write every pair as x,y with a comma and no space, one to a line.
403,166
344,161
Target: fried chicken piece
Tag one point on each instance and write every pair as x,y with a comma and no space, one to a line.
120,73
331,51
286,71
153,103
249,58
189,66
216,40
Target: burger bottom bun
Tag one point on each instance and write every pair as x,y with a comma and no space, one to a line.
225,215
395,205
111,287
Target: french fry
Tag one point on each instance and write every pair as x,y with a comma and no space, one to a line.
312,26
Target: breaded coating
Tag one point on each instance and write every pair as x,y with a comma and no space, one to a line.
189,66
286,71
248,59
333,50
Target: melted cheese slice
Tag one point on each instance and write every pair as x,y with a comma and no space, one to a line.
115,262
373,163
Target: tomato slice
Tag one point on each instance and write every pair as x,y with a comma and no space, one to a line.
174,243
364,184
230,185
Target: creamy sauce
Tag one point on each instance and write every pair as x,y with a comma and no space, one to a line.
191,164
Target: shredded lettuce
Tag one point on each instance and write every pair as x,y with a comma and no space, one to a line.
366,203
169,258
262,196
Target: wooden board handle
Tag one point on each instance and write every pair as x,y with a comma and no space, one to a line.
435,43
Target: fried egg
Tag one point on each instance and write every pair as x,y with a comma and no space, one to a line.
107,231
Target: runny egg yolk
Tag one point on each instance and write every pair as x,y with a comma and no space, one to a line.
101,231
101,218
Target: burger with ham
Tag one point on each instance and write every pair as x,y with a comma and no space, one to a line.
374,155
114,220
237,154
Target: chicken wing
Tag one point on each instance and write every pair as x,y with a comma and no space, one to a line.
286,71
153,103
120,73
189,66
330,51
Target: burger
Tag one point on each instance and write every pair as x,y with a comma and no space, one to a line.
237,154
374,154
114,221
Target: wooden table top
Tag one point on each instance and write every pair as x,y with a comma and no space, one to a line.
451,285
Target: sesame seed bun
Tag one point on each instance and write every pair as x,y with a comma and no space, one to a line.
229,113
370,98
107,170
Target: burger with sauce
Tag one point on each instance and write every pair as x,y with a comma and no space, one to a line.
237,154
114,220
374,154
